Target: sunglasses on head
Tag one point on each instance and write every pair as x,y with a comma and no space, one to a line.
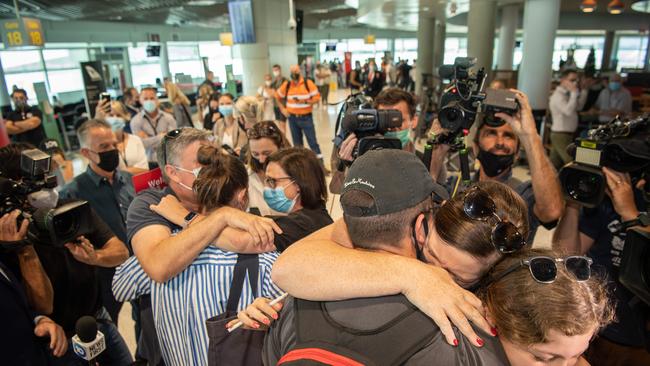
170,135
505,236
544,269
259,131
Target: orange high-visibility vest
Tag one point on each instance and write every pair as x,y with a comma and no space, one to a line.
300,96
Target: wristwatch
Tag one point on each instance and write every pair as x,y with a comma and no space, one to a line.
642,220
188,218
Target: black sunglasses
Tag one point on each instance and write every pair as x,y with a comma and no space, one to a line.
544,269
505,236
170,135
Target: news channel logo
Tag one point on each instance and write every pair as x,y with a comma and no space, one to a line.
78,350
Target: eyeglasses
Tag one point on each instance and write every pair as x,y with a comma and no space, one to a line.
170,135
505,236
272,182
544,269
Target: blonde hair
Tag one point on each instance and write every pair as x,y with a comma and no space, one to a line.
118,108
526,311
250,108
175,95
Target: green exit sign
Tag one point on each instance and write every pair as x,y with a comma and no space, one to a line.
22,32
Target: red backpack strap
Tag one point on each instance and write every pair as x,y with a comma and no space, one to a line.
318,355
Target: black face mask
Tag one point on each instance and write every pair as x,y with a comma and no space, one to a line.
256,165
109,160
493,164
295,77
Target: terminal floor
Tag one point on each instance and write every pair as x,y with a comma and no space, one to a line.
324,119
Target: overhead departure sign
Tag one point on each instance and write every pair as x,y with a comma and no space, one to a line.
22,32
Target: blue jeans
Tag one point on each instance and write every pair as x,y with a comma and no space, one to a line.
116,353
304,124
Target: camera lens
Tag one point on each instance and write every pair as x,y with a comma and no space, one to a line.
451,118
582,186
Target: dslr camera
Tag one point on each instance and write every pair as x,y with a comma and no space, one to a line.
464,98
368,125
55,226
621,145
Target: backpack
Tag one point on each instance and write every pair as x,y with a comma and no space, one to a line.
320,340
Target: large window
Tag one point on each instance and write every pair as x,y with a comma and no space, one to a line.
144,69
360,50
631,51
184,58
455,47
218,57
406,49
582,46
63,70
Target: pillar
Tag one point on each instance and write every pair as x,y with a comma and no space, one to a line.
507,31
5,99
480,37
647,55
126,61
275,44
164,62
608,48
440,35
426,28
540,24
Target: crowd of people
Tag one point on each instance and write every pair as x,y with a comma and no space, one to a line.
420,270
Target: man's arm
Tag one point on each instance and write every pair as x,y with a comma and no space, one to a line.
567,236
38,287
112,254
568,108
546,185
17,127
358,273
163,256
147,141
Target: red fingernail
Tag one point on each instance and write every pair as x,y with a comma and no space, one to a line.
494,331
479,341
256,325
266,321
455,342
275,316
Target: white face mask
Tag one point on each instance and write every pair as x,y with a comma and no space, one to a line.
194,171
267,82
276,73
45,198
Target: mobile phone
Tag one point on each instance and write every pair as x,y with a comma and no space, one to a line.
105,95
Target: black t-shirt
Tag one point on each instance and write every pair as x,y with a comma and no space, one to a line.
299,224
75,284
607,251
34,136
140,215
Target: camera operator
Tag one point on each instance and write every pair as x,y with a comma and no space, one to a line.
24,296
73,269
24,123
390,98
498,149
595,232
108,190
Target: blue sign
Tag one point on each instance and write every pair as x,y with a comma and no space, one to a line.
241,21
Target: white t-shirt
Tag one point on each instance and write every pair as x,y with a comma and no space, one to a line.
227,140
268,113
135,154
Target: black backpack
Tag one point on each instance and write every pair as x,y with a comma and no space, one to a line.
320,340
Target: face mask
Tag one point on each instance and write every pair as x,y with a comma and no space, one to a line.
116,123
614,85
149,106
267,82
276,73
45,198
225,110
194,171
20,104
493,164
403,136
277,200
256,165
295,77
109,160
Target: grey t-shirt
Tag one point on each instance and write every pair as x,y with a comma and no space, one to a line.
367,314
140,215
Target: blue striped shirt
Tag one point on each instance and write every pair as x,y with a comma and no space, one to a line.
183,304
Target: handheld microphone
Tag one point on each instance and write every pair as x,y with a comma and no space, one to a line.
88,343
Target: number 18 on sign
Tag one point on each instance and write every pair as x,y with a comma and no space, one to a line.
22,32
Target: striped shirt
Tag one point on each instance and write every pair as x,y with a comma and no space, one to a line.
300,96
183,304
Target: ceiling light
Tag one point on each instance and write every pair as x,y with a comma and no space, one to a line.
642,6
202,2
615,7
588,6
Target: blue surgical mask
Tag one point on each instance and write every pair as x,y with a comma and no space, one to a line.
225,110
149,106
614,85
116,123
403,136
277,200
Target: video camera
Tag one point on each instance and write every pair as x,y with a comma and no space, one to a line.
55,226
464,98
621,145
368,125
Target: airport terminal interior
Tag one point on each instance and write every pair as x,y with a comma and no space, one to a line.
295,130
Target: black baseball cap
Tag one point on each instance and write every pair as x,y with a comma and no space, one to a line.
51,146
395,179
